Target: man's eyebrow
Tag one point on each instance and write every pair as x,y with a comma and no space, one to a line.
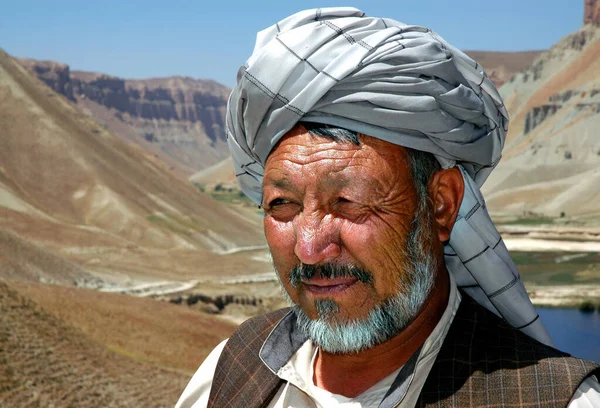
285,184
281,183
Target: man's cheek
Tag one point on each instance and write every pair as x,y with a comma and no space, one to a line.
280,238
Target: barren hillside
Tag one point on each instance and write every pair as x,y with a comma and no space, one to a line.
46,362
221,172
551,163
72,189
166,335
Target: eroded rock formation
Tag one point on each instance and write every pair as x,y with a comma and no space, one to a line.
184,100
591,12
183,117
539,114
56,75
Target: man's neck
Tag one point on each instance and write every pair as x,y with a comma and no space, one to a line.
352,374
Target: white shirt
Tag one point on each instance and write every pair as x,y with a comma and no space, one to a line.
299,390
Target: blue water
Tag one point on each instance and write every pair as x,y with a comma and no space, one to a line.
573,331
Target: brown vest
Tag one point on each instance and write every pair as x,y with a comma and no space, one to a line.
483,362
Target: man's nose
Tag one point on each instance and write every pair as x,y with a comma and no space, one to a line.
317,238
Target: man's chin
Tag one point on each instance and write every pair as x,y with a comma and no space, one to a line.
336,333
335,314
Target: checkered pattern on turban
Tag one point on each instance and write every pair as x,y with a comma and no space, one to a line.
403,84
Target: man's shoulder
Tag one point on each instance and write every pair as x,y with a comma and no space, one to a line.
241,379
260,326
249,337
487,334
269,318
493,342
484,358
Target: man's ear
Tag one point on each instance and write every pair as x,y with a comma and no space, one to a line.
446,189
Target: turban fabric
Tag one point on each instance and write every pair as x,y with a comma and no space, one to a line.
400,83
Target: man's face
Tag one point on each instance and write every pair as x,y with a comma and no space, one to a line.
331,203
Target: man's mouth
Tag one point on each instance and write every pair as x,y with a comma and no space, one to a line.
318,285
322,276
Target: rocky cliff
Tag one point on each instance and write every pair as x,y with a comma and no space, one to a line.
56,75
185,100
591,12
179,119
551,159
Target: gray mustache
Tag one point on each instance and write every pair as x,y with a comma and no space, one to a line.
328,271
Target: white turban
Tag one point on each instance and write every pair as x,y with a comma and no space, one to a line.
400,83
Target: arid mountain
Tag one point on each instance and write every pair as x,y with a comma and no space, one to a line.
551,164
501,66
73,347
181,120
74,195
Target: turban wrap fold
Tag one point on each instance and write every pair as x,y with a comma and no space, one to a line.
400,83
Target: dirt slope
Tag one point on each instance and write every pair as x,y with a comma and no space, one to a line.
74,189
24,260
221,172
169,336
45,362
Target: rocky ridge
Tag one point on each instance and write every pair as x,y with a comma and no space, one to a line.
180,117
45,362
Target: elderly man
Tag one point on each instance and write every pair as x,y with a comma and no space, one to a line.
365,140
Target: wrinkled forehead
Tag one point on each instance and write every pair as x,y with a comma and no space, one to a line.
305,137
307,152
339,135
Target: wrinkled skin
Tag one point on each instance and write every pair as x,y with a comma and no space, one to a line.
327,201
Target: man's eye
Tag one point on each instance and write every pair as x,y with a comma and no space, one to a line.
348,209
278,201
342,202
282,209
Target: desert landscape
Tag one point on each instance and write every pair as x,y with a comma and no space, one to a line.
127,251
91,226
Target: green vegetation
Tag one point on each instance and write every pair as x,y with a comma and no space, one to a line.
226,194
231,196
562,278
558,268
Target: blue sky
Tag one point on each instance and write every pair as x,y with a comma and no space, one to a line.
142,39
